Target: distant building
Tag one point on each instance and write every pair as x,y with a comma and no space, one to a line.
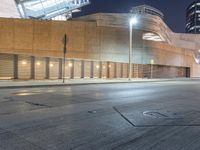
193,17
37,9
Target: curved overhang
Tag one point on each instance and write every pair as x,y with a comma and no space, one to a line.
154,28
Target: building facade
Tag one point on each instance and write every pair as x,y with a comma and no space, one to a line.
98,47
193,17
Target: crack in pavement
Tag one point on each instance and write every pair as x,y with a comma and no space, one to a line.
123,116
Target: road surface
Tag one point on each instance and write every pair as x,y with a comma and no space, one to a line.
135,116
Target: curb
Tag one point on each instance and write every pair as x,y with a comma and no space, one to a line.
79,84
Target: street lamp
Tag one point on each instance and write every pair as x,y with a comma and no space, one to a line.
132,22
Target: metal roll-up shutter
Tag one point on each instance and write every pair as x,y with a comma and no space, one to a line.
135,71
118,70
87,70
6,66
140,71
54,68
111,70
40,68
125,70
68,66
104,69
96,69
77,69
24,67
146,71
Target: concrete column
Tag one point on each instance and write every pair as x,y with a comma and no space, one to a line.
32,67
115,70
47,59
122,70
82,69
92,69
108,69
15,67
100,69
60,70
72,70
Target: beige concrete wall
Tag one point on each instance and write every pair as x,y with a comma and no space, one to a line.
89,41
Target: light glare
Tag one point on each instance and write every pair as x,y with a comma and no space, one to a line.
70,64
133,21
24,63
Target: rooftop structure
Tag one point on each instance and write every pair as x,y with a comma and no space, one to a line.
145,9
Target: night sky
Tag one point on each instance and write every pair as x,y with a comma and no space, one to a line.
174,10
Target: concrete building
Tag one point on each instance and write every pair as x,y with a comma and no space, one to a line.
98,47
193,17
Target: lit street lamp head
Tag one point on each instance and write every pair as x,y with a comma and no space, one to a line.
133,21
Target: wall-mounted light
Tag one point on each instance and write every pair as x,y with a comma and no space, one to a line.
97,66
51,65
24,62
104,67
110,66
38,63
70,65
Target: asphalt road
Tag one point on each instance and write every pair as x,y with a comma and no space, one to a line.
135,116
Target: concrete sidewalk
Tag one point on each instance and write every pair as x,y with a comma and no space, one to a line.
69,82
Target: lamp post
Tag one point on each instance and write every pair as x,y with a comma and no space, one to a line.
132,22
